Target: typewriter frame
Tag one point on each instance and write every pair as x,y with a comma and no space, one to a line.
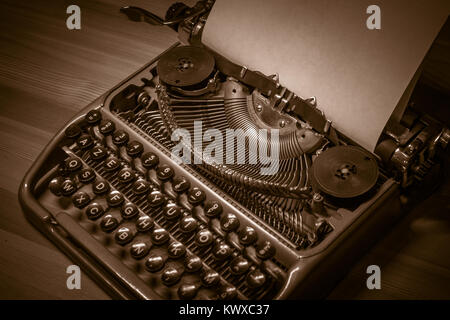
311,276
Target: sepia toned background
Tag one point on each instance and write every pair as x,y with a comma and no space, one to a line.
48,73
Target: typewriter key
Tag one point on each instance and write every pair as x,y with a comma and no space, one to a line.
255,279
265,250
93,117
229,222
248,236
68,187
115,199
193,264
73,131
112,164
154,263
149,160
210,278
98,153
84,142
86,175
55,185
187,291
134,148
156,199
188,224
126,175
72,164
176,250
100,187
144,223
227,293
94,211
159,236
80,199
120,138
129,210
171,275
181,184
141,186
109,223
139,250
171,211
107,127
164,172
196,196
213,209
124,236
239,265
204,238
222,251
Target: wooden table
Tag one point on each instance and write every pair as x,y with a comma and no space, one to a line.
47,73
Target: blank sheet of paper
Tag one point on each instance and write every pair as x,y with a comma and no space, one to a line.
323,48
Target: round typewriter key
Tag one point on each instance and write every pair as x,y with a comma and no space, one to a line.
255,279
107,127
93,117
155,199
227,293
98,153
188,224
248,236
144,223
196,196
115,199
222,251
129,210
159,236
229,222
112,164
239,265
154,263
204,237
213,209
126,175
180,184
141,186
55,185
80,199
68,187
134,148
172,211
210,278
72,164
109,223
120,138
176,250
85,142
72,131
139,250
265,250
149,160
123,236
170,276
193,264
86,175
187,291
94,211
100,187
164,172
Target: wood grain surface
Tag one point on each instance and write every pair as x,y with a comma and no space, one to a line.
48,73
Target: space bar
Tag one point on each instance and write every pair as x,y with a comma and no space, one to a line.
108,261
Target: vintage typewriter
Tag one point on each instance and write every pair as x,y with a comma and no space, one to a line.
107,191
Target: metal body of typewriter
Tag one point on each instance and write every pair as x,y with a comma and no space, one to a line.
106,191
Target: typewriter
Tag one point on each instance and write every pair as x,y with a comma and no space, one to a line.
108,191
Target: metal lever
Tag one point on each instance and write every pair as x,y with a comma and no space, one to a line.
138,14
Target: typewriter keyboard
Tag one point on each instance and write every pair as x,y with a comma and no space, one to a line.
178,238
